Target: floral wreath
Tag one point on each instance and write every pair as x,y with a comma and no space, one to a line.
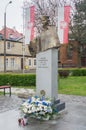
39,107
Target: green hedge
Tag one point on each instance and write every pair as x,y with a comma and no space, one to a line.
73,72
78,72
18,79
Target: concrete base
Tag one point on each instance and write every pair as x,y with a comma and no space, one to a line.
59,105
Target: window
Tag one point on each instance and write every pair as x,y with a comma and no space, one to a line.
8,45
34,61
6,62
29,62
69,51
1,36
12,62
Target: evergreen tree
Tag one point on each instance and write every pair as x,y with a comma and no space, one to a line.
78,28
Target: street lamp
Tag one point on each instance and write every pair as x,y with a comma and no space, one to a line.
5,35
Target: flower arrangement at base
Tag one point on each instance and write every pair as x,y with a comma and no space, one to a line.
39,108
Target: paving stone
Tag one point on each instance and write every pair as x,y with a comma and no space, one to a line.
9,103
72,118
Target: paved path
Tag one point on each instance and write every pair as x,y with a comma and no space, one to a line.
72,118
12,102
9,103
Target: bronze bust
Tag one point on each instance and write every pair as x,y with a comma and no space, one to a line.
48,37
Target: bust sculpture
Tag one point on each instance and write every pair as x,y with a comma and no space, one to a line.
48,37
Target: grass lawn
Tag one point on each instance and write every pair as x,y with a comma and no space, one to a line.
72,85
75,85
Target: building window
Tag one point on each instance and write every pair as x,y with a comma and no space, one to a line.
8,45
34,61
29,62
12,62
69,51
6,62
1,36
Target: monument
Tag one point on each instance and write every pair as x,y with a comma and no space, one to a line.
45,104
47,63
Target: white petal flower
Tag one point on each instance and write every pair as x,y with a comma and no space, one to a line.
25,110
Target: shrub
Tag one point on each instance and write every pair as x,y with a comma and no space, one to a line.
72,72
79,72
18,79
63,73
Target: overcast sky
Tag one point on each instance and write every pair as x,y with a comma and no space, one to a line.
14,13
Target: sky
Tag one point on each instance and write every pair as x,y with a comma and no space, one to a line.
14,14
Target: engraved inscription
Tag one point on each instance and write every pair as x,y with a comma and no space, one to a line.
43,62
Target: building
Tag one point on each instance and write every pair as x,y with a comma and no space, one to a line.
68,55
18,57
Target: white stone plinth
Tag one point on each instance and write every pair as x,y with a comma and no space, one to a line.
46,72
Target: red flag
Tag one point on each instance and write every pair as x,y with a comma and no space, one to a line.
63,23
29,24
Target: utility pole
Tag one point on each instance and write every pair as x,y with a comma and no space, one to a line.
5,36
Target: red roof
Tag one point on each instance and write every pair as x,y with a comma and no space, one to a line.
11,33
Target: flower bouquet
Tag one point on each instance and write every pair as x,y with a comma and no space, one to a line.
38,107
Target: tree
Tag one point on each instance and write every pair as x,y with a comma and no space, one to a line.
78,27
46,7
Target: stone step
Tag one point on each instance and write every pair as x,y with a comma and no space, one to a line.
60,106
57,101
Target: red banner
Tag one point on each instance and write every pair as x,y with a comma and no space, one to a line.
29,24
63,23
32,22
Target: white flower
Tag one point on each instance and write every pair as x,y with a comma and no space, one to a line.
45,108
36,107
42,113
29,112
33,99
40,107
33,109
25,110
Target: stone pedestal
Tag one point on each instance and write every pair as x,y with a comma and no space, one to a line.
46,73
